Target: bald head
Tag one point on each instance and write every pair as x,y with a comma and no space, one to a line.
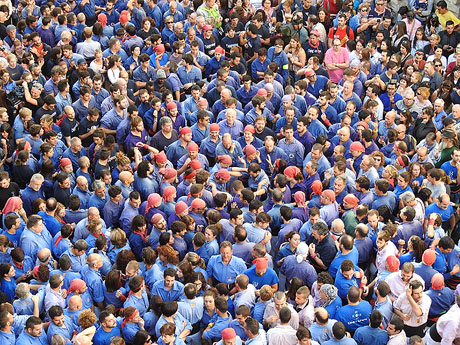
322,316
94,261
125,177
75,302
44,255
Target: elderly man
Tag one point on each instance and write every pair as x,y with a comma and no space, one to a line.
272,314
81,231
367,169
230,147
224,268
74,152
322,248
283,333
413,307
422,156
54,292
32,192
231,124
82,190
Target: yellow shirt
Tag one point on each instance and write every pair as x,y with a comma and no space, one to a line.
444,18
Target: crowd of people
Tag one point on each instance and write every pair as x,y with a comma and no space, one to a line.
256,172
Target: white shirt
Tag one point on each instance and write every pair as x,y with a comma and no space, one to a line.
397,286
307,313
448,325
403,305
246,297
381,259
282,335
398,339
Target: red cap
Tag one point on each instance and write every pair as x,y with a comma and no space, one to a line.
291,171
195,164
192,147
171,105
219,50
214,127
207,27
262,92
437,281
226,159
154,199
76,284
160,48
429,257
228,334
357,146
261,263
168,192
180,207
156,218
197,203
185,130
35,270
223,174
250,128
65,162
168,173
249,150
315,32
124,18
102,18
309,72
393,263
160,157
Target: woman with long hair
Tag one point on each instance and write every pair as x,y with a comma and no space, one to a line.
119,242
296,55
400,35
98,64
422,98
114,68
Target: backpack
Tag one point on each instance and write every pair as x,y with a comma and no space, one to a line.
347,30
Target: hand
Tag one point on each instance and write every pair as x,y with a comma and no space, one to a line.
34,299
64,293
406,317
455,270
327,175
409,292
401,242
311,248
118,294
272,319
364,280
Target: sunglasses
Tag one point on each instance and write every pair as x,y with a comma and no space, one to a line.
437,65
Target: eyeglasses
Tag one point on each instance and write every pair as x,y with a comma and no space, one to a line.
364,10
437,65
169,22
418,93
336,45
409,99
378,159
379,4
401,132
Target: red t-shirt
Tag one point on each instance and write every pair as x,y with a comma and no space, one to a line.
342,35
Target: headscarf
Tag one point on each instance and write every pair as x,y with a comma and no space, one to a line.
152,200
331,292
11,204
300,199
76,284
316,187
301,252
169,190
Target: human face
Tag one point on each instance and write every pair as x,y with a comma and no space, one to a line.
241,319
36,331
279,304
338,186
300,299
315,154
169,282
35,185
167,339
391,329
59,320
312,114
208,301
100,192
406,276
208,234
167,127
226,254
5,183
373,221
444,203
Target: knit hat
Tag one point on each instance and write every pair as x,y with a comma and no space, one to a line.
262,92
219,50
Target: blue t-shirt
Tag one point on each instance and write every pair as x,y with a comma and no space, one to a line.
354,316
269,278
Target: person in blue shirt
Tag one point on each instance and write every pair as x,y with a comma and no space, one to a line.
33,333
168,336
213,332
137,296
170,314
224,268
7,282
107,330
35,237
363,335
168,289
260,274
356,314
60,324
92,277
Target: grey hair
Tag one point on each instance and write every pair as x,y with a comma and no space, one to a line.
22,290
164,120
337,223
279,295
37,177
407,197
98,184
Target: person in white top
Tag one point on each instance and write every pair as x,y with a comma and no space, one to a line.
398,281
413,308
305,306
447,329
395,330
283,334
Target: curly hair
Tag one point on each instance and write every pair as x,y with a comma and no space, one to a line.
86,319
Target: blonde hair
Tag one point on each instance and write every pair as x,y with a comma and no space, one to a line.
118,238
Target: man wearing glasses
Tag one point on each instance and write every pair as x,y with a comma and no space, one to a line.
432,76
380,10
